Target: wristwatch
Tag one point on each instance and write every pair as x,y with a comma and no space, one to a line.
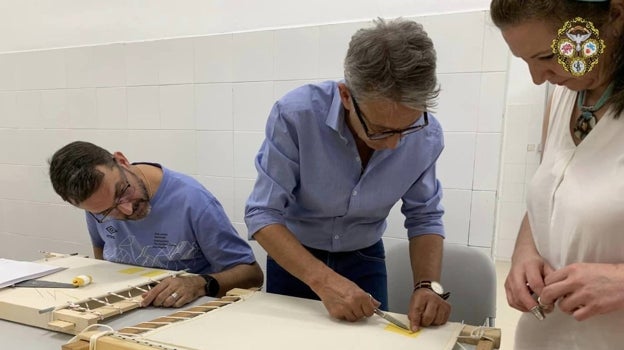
212,286
434,286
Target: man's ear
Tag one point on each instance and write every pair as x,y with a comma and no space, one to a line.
345,95
121,159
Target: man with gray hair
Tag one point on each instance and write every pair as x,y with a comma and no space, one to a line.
337,157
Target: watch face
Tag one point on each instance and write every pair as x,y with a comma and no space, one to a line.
437,287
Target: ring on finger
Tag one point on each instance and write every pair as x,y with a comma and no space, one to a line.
545,307
174,295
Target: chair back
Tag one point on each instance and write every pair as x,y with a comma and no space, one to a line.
468,273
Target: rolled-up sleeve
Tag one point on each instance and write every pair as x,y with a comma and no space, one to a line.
422,204
277,164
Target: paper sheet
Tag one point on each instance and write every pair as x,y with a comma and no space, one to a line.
13,271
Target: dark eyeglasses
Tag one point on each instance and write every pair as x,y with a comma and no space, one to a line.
124,196
385,134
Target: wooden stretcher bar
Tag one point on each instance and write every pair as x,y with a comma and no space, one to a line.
132,338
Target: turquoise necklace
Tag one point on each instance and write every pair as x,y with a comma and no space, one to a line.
587,120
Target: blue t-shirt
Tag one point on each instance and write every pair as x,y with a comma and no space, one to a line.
310,176
186,229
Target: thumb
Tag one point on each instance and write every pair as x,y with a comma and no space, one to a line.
548,270
374,301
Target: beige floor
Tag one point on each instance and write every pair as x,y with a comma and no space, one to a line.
506,317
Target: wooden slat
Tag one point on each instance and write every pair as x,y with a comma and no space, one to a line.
77,345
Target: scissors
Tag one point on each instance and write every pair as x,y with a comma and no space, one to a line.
392,320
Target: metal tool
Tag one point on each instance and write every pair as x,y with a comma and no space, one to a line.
43,284
538,312
392,320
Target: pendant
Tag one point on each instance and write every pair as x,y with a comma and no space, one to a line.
584,124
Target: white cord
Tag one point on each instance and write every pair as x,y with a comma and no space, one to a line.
96,336
477,333
93,338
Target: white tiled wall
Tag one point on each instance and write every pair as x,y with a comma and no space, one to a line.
520,153
199,105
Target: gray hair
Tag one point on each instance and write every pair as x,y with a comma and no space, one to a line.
393,60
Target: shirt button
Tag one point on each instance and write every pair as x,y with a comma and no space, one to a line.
336,237
357,158
355,193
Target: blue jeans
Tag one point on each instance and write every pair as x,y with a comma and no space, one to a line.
365,267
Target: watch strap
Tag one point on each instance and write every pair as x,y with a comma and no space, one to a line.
427,285
212,286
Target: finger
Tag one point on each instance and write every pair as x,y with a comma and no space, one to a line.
556,276
583,312
511,299
351,316
545,299
148,298
418,306
183,300
556,291
415,321
517,290
358,311
369,306
374,302
154,291
547,271
509,293
550,295
172,299
527,296
429,315
162,297
534,281
441,316
547,307
570,303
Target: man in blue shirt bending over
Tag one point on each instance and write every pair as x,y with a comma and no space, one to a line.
336,158
145,214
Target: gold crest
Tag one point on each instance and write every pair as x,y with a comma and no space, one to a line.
578,46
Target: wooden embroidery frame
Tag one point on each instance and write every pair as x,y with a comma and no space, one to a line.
276,322
116,289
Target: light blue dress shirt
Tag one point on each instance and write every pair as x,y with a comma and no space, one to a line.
310,176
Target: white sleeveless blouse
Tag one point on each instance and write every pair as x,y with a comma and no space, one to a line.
575,206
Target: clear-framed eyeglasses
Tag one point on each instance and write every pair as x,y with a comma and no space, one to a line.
385,134
123,196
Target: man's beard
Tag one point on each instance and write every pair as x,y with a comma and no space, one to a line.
141,207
